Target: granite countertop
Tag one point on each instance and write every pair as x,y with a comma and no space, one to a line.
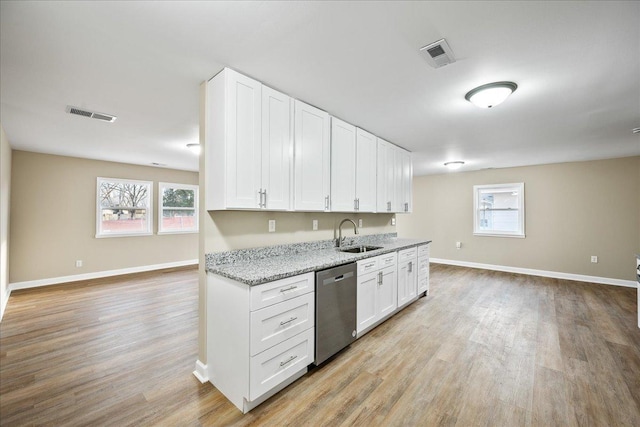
261,265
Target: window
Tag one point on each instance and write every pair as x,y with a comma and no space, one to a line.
124,207
499,210
178,208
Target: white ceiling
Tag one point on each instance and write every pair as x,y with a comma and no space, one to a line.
577,65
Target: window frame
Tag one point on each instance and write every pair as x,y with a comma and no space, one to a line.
519,187
161,207
149,220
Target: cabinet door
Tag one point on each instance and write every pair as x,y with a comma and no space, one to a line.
312,161
385,176
407,281
243,140
366,305
277,150
406,201
397,191
366,165
387,292
343,166
423,275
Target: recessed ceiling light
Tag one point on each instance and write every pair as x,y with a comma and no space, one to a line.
195,148
491,94
454,165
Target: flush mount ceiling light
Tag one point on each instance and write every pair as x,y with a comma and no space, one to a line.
491,94
454,165
195,148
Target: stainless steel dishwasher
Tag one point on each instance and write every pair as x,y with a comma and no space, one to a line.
335,310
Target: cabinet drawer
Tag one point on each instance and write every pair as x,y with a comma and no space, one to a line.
275,365
423,250
407,254
367,265
388,260
281,290
276,323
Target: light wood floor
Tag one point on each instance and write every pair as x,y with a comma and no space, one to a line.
485,348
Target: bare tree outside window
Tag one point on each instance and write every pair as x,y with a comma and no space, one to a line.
123,207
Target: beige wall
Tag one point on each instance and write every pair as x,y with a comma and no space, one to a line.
573,211
5,187
53,219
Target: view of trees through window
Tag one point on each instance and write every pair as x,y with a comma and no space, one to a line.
178,210
124,207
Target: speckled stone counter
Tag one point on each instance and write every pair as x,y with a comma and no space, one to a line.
260,265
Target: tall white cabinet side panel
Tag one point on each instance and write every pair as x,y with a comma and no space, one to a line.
343,166
214,143
228,337
312,161
366,175
397,191
243,144
277,149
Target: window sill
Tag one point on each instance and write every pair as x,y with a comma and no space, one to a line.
517,236
178,232
106,236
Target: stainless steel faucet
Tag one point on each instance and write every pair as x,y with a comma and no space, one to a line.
340,238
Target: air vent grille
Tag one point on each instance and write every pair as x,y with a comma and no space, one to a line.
92,114
438,53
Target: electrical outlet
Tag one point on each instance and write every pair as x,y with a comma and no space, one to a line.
594,259
360,222
272,225
79,263
315,225
393,221
458,245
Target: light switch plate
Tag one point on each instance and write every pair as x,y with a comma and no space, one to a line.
393,221
272,225
315,225
360,222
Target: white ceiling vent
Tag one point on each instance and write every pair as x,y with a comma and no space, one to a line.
438,53
92,114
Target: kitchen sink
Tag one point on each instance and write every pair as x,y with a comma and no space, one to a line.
360,249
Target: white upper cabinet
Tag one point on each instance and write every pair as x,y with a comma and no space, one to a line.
233,130
277,150
366,149
386,177
312,158
406,188
248,145
343,166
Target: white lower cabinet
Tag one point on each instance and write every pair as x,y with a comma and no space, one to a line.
407,276
423,269
377,290
259,338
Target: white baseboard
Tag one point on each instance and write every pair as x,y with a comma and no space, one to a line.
98,274
534,272
201,372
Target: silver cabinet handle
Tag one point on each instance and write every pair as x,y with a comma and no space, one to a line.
260,195
388,206
406,206
288,360
355,204
326,203
410,266
284,322
264,204
288,289
358,204
380,278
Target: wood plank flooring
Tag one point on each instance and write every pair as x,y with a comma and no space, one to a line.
485,348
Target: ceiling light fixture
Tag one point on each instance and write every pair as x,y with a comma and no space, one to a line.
491,94
454,165
195,148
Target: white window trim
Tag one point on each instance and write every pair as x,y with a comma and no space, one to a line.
518,186
99,233
196,189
